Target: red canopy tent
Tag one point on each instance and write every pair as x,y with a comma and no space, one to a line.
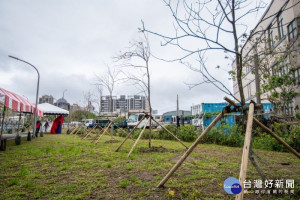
9,100
16,103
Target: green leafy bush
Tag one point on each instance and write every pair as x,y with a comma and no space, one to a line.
187,133
298,115
228,135
289,133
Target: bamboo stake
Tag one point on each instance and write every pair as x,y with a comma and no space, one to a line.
258,169
171,133
77,131
255,164
123,130
101,131
95,137
277,137
90,131
190,150
106,128
129,134
135,143
246,150
111,131
74,130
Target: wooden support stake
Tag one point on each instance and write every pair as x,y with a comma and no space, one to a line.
73,131
230,101
277,137
260,172
135,143
171,133
90,131
246,150
190,150
123,131
257,106
77,131
105,129
111,131
102,129
129,134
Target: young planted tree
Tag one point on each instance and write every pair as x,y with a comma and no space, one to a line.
108,80
137,57
214,26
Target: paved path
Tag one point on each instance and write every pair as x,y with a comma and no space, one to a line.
12,136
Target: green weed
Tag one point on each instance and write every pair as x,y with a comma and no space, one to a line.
124,183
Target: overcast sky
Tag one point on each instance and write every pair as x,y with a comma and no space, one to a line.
70,41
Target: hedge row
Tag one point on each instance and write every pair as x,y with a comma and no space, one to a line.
228,135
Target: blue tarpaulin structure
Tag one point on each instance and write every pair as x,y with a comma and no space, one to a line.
228,119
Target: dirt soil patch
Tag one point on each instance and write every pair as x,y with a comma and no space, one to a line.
112,141
153,149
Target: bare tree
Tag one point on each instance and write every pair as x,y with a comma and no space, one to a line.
137,57
213,26
98,96
108,80
88,98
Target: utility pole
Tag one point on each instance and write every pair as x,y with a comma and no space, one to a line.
37,93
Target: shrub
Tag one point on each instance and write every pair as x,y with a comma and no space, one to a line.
228,135
289,133
163,135
298,115
235,138
187,133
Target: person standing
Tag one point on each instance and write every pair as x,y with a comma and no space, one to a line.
46,125
37,128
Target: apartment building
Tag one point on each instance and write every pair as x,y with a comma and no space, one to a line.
123,104
108,105
272,49
46,99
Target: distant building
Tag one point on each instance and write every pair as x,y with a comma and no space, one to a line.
46,99
75,107
155,112
170,117
62,103
108,105
137,102
196,109
90,107
122,104
205,113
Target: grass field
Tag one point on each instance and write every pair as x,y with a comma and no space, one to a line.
67,167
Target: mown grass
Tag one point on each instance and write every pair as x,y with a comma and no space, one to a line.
67,167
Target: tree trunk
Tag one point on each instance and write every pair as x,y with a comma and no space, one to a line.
110,103
150,107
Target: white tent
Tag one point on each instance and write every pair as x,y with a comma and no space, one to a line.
50,109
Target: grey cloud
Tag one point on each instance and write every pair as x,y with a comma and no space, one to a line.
69,41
